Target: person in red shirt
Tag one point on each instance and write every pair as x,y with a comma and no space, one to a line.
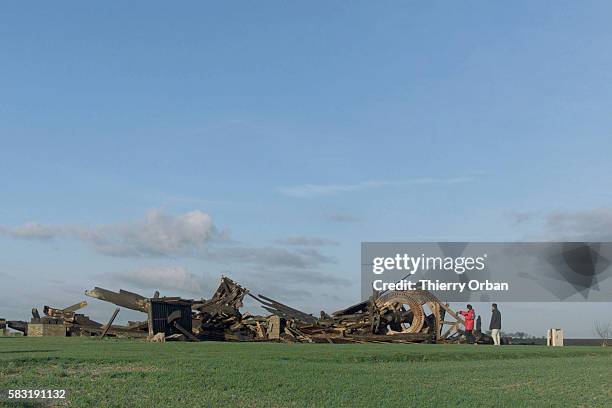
469,316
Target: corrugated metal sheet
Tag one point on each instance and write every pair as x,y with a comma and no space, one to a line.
160,310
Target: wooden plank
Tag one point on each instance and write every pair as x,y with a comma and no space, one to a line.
450,311
187,334
453,327
110,322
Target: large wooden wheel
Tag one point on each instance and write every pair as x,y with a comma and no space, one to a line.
407,307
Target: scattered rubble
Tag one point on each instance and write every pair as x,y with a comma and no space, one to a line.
394,316
66,322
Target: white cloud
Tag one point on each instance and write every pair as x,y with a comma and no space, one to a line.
316,190
165,278
31,230
158,234
183,235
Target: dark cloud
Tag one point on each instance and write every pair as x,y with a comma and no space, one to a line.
592,225
584,225
289,295
270,257
310,277
521,217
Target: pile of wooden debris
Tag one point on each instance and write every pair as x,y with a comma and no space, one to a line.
393,316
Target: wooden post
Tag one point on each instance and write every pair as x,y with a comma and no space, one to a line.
150,318
554,337
274,327
110,322
435,308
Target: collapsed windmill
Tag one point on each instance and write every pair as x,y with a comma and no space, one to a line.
393,316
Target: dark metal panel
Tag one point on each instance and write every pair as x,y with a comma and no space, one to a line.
160,310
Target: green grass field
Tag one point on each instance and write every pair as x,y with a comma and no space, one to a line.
133,373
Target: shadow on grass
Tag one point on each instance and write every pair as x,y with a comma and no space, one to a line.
444,356
27,351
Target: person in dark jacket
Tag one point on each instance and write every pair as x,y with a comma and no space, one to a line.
495,325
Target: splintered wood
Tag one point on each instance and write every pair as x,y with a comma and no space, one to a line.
409,316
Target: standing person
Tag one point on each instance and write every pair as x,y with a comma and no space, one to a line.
469,315
495,325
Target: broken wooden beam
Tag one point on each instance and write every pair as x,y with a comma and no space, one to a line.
122,298
110,322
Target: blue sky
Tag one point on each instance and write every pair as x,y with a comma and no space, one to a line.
299,131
